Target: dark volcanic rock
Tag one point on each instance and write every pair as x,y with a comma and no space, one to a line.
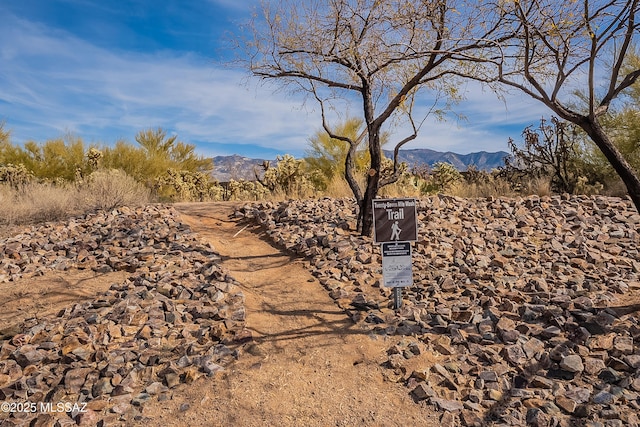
519,287
132,342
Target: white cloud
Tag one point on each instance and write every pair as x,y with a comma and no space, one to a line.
87,89
52,82
487,122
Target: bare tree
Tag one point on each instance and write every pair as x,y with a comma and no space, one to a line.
572,47
548,150
377,55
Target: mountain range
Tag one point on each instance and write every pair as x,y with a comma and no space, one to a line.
482,160
238,167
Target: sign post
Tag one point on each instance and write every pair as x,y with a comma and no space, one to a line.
395,227
397,298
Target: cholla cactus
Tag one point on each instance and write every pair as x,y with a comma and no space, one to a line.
387,170
583,186
93,156
445,175
16,176
247,190
189,186
289,177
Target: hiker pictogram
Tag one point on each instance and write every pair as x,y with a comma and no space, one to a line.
395,231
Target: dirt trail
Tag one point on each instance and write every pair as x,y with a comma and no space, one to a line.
308,364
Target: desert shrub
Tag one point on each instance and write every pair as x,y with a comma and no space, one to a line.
110,188
327,156
156,154
551,151
62,158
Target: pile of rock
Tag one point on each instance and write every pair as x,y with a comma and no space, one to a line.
177,317
527,302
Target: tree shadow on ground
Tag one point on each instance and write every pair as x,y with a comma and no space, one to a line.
323,323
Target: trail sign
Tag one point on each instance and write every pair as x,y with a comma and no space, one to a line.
397,269
394,220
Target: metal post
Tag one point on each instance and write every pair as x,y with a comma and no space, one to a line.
397,298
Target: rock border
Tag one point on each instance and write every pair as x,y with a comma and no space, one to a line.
179,316
514,295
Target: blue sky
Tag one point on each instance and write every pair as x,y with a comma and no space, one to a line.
104,70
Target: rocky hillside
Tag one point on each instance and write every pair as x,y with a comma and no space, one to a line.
226,168
530,304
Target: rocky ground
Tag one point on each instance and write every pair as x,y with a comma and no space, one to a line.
523,312
531,304
178,316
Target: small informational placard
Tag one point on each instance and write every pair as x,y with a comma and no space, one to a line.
397,271
394,220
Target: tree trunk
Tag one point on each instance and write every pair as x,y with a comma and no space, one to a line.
366,207
349,176
373,182
365,216
613,155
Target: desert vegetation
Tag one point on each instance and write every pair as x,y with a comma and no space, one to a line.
588,147
392,57
64,177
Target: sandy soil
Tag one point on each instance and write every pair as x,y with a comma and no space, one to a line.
308,364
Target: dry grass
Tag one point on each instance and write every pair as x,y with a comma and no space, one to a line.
339,188
39,202
498,187
400,189
539,186
493,188
35,203
616,188
108,189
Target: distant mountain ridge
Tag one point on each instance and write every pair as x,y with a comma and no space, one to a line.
237,167
226,168
482,160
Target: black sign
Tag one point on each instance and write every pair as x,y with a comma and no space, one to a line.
395,220
396,249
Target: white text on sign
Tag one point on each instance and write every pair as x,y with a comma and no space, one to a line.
386,204
391,214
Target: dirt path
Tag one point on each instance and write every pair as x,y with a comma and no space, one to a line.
308,364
